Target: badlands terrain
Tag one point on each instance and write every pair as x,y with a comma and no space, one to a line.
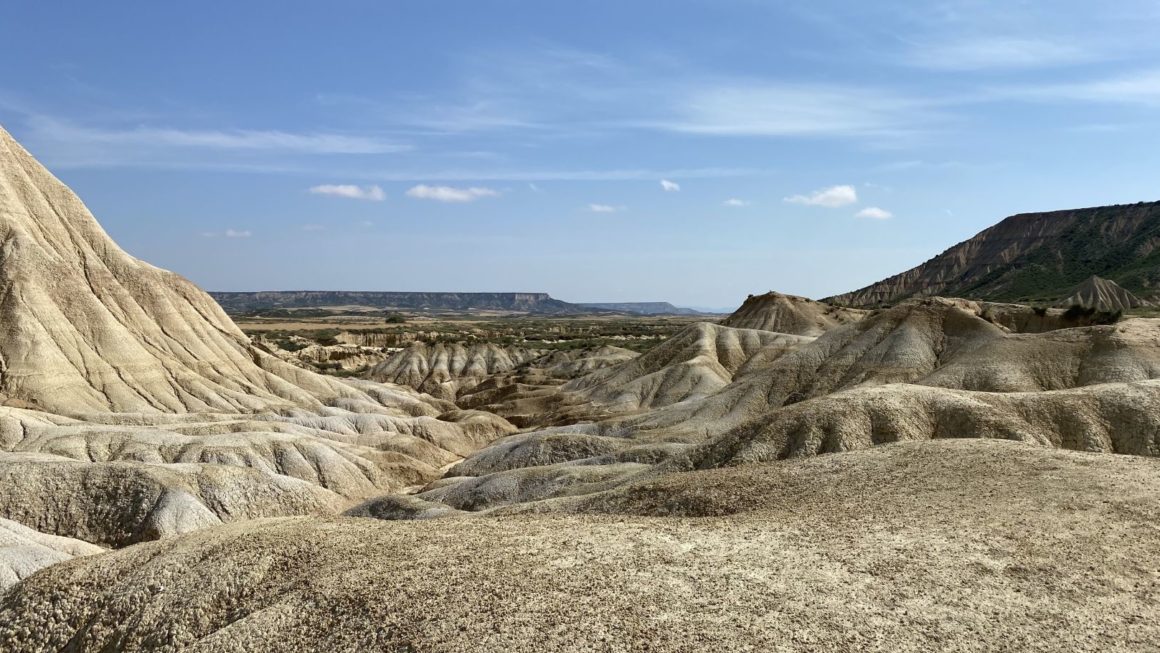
891,470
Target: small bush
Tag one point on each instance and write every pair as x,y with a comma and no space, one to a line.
1075,312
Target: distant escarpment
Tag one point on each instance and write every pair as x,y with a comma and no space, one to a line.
1036,257
522,302
643,308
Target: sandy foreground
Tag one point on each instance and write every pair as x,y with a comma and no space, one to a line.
949,545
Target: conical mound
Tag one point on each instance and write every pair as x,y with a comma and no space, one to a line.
791,314
1102,295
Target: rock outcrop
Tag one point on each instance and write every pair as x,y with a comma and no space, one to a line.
24,551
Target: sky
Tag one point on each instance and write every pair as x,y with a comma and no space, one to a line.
692,151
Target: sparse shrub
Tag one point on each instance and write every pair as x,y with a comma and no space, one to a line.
327,337
1075,312
290,345
1090,315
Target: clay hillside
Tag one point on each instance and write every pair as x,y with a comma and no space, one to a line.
1036,257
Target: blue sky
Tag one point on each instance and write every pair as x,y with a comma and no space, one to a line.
690,151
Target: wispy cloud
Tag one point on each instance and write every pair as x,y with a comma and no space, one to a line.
238,139
874,213
371,193
998,53
554,95
832,197
772,109
736,203
670,186
228,233
1140,87
605,208
313,227
450,194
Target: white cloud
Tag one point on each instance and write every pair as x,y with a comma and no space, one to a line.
449,193
371,193
605,208
228,233
670,186
548,174
997,53
832,197
874,213
734,202
313,227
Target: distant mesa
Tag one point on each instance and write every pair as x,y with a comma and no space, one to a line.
516,302
644,308
1036,258
536,303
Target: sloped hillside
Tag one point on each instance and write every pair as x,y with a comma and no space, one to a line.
133,408
1036,257
952,545
442,369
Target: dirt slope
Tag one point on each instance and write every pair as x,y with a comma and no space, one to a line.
116,375
954,546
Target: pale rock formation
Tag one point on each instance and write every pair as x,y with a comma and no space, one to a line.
1102,295
442,369
24,551
115,375
925,369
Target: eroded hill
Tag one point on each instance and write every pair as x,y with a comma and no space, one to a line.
1036,257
